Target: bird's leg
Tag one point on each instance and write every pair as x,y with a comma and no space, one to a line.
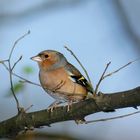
59,86
53,105
69,105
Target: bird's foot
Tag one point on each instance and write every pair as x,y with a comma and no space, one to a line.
53,106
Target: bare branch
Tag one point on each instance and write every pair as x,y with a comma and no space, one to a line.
36,119
121,68
10,55
23,80
26,81
113,118
12,89
16,62
28,108
10,68
3,61
102,77
5,66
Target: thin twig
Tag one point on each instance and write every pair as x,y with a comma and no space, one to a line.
5,66
121,68
11,69
79,64
23,80
101,78
28,108
12,89
16,62
105,76
26,81
10,55
2,61
112,118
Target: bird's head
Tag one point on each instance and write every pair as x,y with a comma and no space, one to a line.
50,59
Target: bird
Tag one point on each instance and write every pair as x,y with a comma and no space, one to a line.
60,79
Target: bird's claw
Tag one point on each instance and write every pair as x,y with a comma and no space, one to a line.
51,108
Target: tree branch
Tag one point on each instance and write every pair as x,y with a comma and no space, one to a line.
105,102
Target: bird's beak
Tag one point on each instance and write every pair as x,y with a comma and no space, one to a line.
36,58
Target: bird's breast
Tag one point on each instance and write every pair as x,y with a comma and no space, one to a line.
51,79
58,81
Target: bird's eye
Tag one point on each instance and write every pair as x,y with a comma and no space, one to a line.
46,55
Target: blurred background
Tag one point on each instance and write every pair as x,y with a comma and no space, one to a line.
97,31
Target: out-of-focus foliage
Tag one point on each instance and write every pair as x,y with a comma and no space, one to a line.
30,135
28,70
19,86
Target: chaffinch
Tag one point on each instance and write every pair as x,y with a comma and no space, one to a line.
60,79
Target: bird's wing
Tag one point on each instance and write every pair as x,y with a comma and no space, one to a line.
77,77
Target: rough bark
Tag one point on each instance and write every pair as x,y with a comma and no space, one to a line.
103,102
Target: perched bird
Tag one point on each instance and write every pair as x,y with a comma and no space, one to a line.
60,79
